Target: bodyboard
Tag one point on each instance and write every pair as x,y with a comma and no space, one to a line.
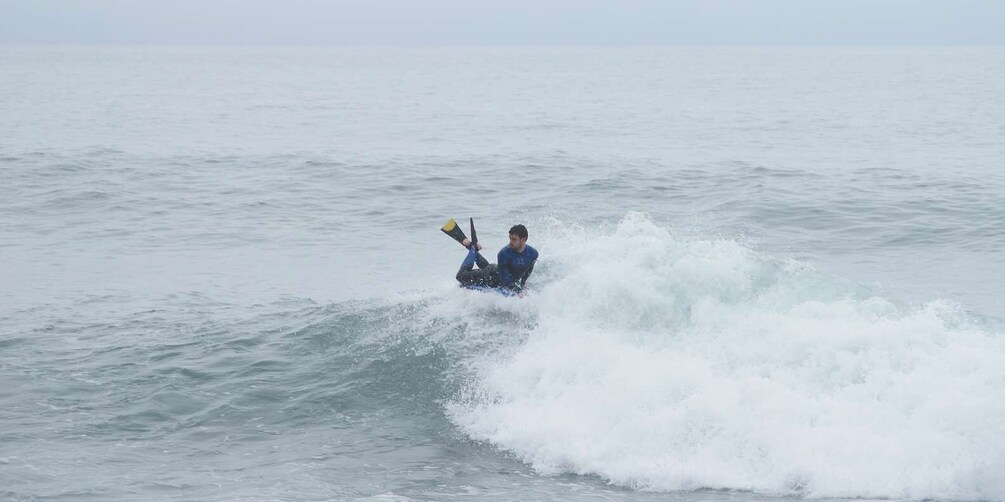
489,289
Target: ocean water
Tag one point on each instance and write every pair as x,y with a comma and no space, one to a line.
766,274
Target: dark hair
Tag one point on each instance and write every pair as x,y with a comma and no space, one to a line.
519,231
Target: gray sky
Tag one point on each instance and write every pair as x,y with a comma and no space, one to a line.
503,22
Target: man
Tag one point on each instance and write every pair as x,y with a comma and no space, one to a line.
515,263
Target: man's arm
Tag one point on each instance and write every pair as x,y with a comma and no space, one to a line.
523,280
503,260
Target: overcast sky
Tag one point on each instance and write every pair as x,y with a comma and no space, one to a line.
503,22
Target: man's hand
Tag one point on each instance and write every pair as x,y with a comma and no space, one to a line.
467,243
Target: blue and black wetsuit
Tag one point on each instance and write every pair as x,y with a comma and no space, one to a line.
515,268
487,274
510,274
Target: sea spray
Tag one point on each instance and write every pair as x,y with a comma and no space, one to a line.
664,363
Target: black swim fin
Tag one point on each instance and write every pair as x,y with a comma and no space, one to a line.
454,231
479,259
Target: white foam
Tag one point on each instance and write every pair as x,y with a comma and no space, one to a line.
667,364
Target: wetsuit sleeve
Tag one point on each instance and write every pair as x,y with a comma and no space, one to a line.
505,280
523,280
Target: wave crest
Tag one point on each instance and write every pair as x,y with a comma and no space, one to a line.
669,364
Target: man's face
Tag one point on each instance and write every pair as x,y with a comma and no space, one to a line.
515,242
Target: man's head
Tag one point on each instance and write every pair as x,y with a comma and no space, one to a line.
517,237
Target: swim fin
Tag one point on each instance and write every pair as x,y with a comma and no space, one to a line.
454,231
